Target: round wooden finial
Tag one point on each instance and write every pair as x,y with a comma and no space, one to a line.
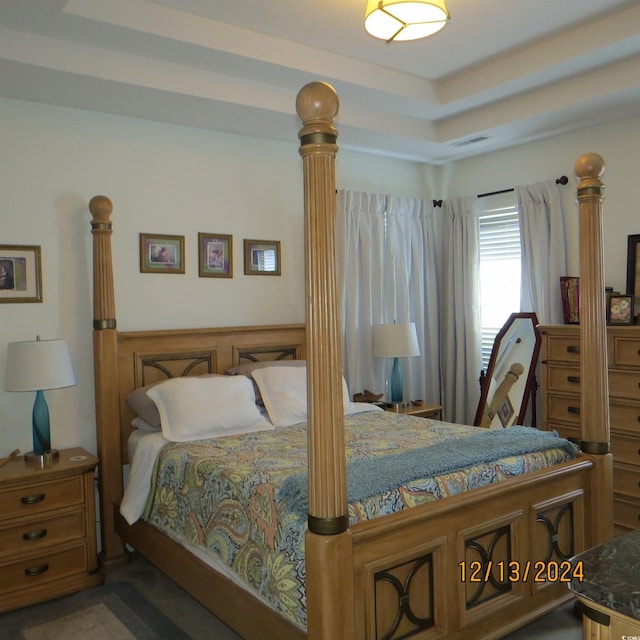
589,166
101,208
317,101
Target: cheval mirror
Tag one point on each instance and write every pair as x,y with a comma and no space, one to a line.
509,381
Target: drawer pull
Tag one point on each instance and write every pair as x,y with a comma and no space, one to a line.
36,571
32,499
34,535
575,410
573,379
573,349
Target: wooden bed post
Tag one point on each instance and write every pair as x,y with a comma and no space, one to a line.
594,403
105,351
330,600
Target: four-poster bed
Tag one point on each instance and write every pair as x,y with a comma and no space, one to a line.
401,575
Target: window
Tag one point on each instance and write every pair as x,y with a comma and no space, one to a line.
499,265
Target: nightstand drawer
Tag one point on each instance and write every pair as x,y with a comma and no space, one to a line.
41,497
563,378
42,568
36,534
564,408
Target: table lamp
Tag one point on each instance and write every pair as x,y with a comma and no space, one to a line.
37,365
395,341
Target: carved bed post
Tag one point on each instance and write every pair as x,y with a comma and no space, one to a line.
594,403
105,339
328,542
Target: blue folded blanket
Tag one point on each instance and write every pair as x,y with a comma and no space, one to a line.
374,476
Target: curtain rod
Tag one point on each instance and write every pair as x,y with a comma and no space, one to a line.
561,180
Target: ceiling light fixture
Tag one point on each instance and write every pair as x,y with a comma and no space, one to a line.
395,20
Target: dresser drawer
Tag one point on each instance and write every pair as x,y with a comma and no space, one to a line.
624,384
45,567
564,409
625,416
564,431
41,497
563,378
626,513
35,534
563,348
625,448
625,352
627,481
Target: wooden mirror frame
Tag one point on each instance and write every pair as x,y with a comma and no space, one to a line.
486,377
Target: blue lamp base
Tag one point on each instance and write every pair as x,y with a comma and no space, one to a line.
42,450
396,382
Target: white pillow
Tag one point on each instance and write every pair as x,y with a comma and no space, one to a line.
198,408
284,393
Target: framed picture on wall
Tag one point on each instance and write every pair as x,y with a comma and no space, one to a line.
262,257
633,269
161,253
215,255
20,273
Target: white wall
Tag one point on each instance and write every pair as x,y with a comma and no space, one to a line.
161,179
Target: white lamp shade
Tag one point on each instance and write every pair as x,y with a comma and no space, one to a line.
395,340
405,19
38,365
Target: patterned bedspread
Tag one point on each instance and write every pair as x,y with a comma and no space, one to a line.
226,495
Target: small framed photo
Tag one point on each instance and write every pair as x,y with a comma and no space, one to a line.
215,255
620,309
161,253
262,257
20,273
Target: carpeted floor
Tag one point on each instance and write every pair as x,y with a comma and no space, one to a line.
114,611
138,601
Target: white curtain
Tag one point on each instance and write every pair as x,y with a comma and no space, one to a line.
544,249
460,310
387,255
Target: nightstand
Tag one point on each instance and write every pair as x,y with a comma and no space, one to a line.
422,411
47,529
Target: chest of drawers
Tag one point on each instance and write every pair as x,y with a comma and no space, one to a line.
560,405
47,529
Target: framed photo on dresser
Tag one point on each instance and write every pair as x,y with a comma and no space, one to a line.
633,270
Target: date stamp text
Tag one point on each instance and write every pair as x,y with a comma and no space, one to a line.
515,571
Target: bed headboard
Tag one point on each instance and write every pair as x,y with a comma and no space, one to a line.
150,356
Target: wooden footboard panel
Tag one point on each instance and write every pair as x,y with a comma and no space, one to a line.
476,565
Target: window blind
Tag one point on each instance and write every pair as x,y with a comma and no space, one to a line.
500,264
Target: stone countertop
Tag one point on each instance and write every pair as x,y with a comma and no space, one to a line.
611,574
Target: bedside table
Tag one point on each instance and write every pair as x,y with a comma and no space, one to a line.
422,411
47,529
